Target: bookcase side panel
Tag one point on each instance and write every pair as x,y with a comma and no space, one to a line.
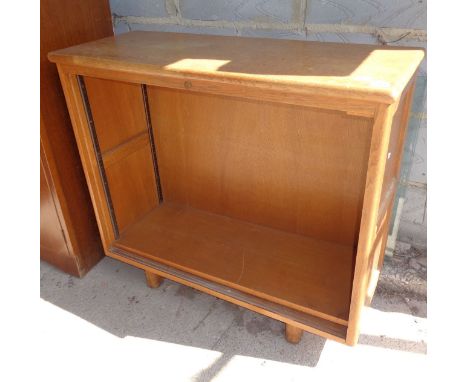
368,240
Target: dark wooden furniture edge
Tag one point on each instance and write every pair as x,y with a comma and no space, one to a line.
65,23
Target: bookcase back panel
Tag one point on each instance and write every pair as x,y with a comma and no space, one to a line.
297,169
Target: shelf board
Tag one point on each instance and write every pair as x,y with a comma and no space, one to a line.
298,272
293,317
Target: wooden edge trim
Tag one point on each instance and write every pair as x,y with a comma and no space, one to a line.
387,96
380,243
262,92
226,284
408,101
81,130
386,201
278,312
375,172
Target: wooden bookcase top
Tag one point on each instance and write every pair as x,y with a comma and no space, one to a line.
364,72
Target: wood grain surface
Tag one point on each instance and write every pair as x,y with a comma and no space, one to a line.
369,72
303,273
70,239
298,169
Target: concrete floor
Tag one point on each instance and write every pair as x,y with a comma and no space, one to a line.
111,322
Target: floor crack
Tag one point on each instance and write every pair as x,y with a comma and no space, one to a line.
202,321
223,334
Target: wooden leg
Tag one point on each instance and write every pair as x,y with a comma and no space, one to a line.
153,280
293,334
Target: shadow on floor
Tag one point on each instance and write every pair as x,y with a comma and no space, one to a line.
114,297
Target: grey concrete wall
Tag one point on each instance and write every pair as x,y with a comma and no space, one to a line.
379,22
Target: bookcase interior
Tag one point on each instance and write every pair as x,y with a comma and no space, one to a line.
264,198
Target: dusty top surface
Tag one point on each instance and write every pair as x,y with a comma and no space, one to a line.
361,71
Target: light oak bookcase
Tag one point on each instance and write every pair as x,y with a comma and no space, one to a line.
259,171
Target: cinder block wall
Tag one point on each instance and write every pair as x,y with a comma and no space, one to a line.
379,22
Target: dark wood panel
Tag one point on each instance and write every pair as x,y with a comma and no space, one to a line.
54,247
288,167
65,23
300,272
